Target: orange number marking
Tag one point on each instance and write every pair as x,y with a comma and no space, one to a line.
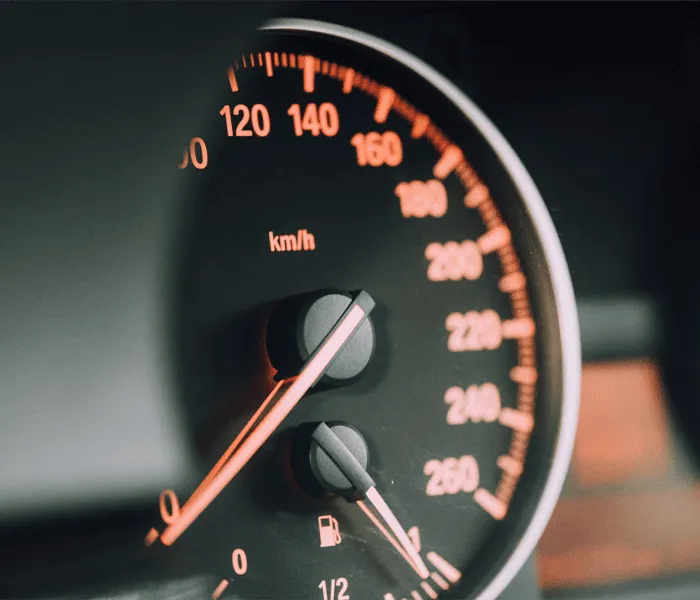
454,261
377,149
422,198
260,120
316,119
169,506
474,331
477,403
451,476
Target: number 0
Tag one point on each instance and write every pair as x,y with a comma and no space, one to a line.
240,562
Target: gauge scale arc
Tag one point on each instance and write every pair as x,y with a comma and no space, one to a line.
375,330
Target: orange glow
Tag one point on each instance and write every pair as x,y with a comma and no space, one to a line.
478,330
649,524
623,430
234,445
612,538
290,392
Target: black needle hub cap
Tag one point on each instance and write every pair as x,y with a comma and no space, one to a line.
315,469
299,324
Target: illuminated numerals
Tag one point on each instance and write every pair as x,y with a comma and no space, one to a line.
422,198
257,117
477,403
451,476
377,149
240,562
316,119
335,589
474,331
196,153
454,261
169,507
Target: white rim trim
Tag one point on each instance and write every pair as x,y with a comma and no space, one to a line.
556,262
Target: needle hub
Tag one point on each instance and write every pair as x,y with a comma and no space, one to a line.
315,460
300,323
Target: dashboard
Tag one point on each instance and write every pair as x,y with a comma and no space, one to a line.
415,279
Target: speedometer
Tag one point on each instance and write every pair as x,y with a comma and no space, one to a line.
374,311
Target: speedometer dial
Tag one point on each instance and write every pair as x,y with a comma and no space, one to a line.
374,311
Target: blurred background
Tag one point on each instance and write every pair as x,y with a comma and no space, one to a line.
600,103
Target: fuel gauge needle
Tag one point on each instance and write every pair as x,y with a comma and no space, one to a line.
365,486
285,397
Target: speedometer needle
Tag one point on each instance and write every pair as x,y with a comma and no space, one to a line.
365,486
289,392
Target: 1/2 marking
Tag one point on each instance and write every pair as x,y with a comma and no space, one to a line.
335,590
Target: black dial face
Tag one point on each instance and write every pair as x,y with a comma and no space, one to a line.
365,308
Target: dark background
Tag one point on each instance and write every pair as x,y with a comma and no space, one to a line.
599,100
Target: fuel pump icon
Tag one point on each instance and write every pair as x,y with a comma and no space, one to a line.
329,531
